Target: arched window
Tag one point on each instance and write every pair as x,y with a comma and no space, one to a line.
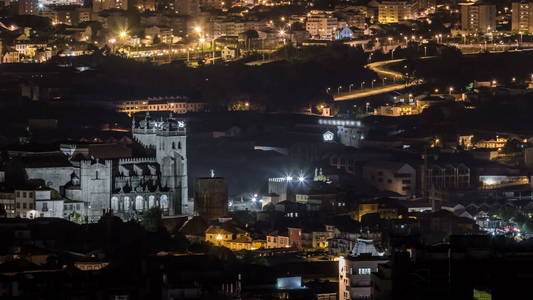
151,201
114,203
179,145
173,145
139,203
163,202
96,176
127,203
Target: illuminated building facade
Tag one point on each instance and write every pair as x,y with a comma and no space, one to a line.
396,11
177,105
478,17
522,17
322,25
355,271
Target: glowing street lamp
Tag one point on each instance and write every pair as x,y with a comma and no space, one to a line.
198,29
363,83
451,90
289,178
123,34
373,83
339,90
301,179
350,88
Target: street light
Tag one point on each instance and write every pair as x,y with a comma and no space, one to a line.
350,88
425,51
367,106
383,81
363,83
373,83
451,90
392,54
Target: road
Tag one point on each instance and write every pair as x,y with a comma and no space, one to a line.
381,69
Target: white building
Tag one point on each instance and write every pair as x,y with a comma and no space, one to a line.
391,176
322,25
355,271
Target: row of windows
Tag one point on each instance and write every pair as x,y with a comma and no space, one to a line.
25,195
25,205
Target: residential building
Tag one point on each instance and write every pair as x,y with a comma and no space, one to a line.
7,201
231,236
276,240
396,110
25,203
322,25
177,105
391,176
355,271
478,17
28,7
522,17
48,204
396,11
99,5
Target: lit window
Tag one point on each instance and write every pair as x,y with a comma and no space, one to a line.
364,271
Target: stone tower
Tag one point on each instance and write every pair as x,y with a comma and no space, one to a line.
168,139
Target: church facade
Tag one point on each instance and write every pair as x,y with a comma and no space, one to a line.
130,185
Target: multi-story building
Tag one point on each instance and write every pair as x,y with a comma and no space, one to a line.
396,11
99,5
322,25
28,7
187,7
275,240
177,105
391,176
47,205
25,204
522,17
478,17
7,201
355,271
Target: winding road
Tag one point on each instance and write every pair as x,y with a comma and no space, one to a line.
381,68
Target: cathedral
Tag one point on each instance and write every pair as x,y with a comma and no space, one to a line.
126,185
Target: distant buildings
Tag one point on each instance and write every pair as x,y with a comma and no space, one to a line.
177,105
396,11
99,5
522,17
322,25
478,17
28,7
391,176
